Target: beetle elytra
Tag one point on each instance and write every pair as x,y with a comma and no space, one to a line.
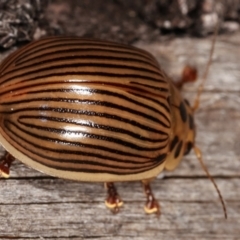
91,110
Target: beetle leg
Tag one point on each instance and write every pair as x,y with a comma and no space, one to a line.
152,205
5,164
113,200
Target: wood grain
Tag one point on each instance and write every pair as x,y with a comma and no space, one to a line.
35,206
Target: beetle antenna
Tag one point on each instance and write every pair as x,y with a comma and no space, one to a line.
200,88
199,157
196,106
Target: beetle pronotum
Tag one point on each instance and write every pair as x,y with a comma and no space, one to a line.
91,110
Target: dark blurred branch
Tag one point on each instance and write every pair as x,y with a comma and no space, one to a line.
19,20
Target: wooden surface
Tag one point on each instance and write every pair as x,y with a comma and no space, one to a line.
35,206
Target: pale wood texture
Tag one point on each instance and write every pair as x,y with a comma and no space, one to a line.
35,206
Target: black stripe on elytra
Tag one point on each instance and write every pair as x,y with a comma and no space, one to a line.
178,149
58,64
157,160
93,125
27,88
84,47
161,89
153,100
97,103
37,47
87,113
157,163
183,112
101,171
74,56
103,92
86,135
77,162
80,73
161,158
78,144
68,64
82,83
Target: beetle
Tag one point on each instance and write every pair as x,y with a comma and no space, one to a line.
92,110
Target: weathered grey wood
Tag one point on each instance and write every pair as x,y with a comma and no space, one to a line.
35,206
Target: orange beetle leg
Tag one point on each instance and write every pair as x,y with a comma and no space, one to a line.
152,205
5,164
113,200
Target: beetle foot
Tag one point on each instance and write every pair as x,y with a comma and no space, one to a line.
5,164
152,205
113,200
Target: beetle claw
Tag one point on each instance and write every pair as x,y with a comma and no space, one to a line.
5,164
152,205
113,200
